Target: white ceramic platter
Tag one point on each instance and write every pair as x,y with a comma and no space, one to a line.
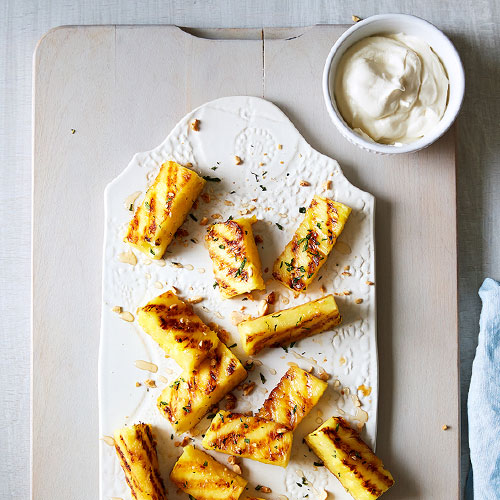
267,184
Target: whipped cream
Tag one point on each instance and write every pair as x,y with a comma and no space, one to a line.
391,89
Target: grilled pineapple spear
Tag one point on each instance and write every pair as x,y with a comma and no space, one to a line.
179,331
350,459
203,478
289,325
188,399
313,240
249,437
165,206
235,258
293,398
136,450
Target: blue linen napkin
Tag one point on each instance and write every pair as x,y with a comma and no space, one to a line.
484,401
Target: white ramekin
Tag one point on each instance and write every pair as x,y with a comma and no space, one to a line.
410,25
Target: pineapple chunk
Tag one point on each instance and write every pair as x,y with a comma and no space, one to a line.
349,459
190,397
165,206
289,325
136,450
313,240
293,398
249,437
235,258
203,478
180,333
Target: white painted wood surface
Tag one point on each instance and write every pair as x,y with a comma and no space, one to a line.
106,83
473,27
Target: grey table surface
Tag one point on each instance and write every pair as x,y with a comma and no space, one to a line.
474,27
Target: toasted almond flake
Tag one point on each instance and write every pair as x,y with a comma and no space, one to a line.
285,300
282,430
283,216
176,290
250,271
216,216
236,468
130,200
280,146
163,379
228,203
201,270
186,440
319,420
195,125
205,197
176,264
445,427
158,285
347,391
237,160
342,361
304,183
322,495
355,19
204,221
188,164
345,273
355,400
147,276
272,371
370,283
283,497
327,185
127,316
263,307
138,384
323,375
346,268
189,267
237,317
195,300
128,258
160,262
261,164
146,365
232,460
257,362
319,413
282,162
265,489
108,440
117,309
347,292
249,389
150,383
361,416
147,262
323,289
359,301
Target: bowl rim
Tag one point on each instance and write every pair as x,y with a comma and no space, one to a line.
428,139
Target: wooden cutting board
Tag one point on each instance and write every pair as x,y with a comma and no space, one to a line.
102,94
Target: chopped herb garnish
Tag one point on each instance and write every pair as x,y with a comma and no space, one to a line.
193,217
319,225
214,168
187,409
256,176
215,285
262,187
230,217
205,463
232,345
147,205
211,416
163,403
298,484
337,428
284,348
258,487
302,210
304,480
245,426
152,251
295,409
276,315
280,227
131,208
211,179
247,440
232,192
222,247
292,344
319,464
240,269
262,378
